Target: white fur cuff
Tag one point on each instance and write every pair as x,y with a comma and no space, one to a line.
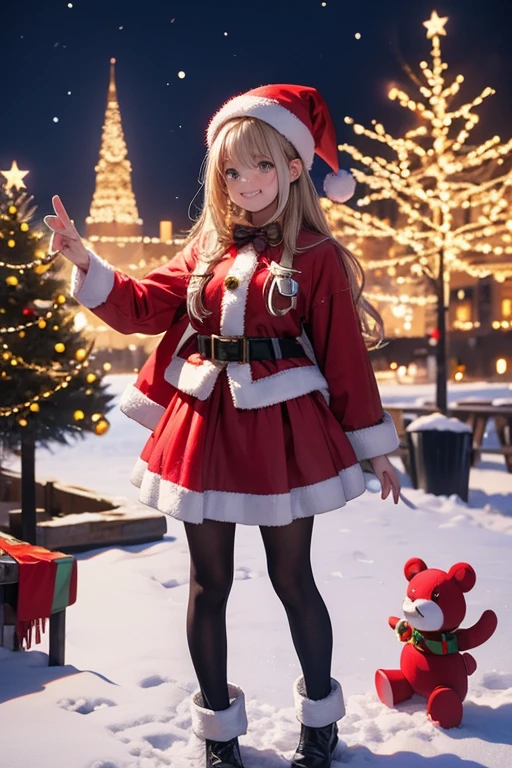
221,725
92,288
317,714
374,441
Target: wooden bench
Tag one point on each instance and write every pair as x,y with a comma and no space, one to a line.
8,598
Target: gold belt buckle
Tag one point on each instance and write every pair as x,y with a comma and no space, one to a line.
245,346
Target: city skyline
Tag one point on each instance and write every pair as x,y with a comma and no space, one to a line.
54,130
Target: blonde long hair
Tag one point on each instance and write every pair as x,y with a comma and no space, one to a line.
243,139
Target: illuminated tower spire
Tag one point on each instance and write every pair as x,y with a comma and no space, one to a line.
114,208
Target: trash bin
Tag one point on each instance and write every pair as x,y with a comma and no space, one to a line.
440,455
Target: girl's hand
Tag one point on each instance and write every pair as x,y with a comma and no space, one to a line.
387,476
65,238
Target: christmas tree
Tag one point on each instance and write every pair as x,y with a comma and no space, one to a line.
50,390
441,203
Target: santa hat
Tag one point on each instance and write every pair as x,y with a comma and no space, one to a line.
300,114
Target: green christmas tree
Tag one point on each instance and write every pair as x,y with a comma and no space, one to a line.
50,389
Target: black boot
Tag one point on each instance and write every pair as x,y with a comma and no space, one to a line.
223,754
316,747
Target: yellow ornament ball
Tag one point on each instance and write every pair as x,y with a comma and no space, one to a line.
41,269
22,422
42,323
90,378
11,243
12,209
34,407
61,299
24,227
89,391
60,347
22,334
101,427
11,280
107,366
80,354
96,416
78,415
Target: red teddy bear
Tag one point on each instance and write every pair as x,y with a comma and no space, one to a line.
431,662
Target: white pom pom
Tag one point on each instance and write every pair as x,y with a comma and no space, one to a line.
339,187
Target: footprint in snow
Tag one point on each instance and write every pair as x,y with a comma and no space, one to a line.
497,681
85,706
152,681
361,557
161,741
172,583
242,573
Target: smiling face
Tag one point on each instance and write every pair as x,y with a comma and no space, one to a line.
253,188
252,166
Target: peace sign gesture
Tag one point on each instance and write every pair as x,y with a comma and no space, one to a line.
65,238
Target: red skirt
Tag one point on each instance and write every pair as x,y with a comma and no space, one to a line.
207,459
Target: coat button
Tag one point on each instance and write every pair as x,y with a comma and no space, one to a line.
231,282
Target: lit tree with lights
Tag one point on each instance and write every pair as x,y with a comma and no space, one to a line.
450,199
48,388
113,206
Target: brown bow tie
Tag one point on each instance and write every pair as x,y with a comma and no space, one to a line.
260,237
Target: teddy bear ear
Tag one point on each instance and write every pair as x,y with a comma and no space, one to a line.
464,575
414,566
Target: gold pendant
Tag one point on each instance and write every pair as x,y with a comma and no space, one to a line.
231,282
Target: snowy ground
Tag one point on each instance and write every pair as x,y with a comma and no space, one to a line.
122,701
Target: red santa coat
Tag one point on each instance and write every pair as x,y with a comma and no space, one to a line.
259,443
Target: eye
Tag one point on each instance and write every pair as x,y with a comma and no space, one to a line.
435,596
265,166
231,173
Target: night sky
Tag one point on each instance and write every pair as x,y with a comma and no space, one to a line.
50,49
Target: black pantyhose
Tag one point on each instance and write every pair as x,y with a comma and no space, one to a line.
287,548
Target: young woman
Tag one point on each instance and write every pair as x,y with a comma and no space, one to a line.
261,397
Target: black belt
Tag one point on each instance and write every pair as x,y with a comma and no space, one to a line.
243,349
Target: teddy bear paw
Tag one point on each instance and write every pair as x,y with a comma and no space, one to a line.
444,707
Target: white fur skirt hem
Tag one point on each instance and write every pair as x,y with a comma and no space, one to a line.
246,508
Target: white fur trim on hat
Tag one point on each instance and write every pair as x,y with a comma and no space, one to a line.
319,713
219,725
271,112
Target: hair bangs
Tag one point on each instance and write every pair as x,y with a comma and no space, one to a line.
243,142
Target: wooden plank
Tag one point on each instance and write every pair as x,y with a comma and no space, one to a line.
57,649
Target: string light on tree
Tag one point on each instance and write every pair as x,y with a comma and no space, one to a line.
450,199
44,395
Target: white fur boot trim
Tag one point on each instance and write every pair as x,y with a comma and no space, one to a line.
221,725
317,714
